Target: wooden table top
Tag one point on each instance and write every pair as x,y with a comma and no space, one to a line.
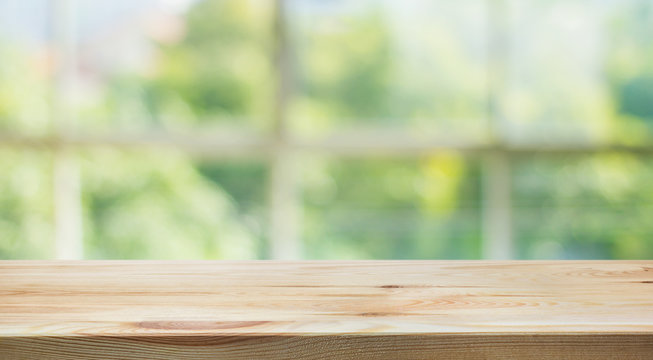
202,299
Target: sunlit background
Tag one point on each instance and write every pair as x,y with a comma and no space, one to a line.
326,129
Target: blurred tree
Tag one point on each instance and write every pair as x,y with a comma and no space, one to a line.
23,91
636,97
342,75
586,206
629,67
362,72
25,205
357,70
167,205
25,191
158,206
392,209
407,66
220,70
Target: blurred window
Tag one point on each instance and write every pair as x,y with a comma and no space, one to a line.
326,129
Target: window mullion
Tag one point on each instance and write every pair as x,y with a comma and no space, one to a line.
284,202
66,177
496,211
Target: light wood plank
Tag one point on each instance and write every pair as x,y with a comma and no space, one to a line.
320,310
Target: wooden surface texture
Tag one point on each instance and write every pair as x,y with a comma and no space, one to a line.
326,310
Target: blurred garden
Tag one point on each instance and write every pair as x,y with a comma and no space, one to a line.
338,129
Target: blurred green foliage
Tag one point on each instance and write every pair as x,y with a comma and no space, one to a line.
221,68
366,69
594,207
158,205
23,91
404,208
25,205
218,74
358,68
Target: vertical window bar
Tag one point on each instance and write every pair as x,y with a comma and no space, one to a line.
284,206
66,183
497,215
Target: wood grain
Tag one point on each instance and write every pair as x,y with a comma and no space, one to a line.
326,310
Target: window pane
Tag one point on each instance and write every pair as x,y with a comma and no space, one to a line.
164,205
577,71
630,70
595,207
174,65
25,205
392,208
414,65
25,67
